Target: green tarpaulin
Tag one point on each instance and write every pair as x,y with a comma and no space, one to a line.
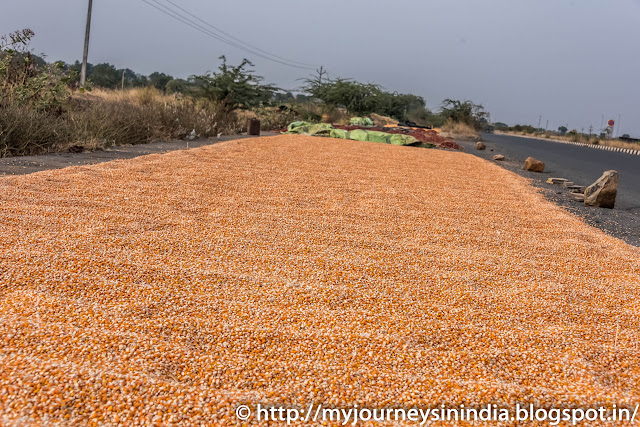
399,139
361,121
298,127
340,134
325,129
375,136
304,128
359,135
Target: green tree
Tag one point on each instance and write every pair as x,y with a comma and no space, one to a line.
400,106
235,87
105,75
26,79
177,86
159,80
356,98
563,130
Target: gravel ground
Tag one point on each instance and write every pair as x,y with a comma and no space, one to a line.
293,270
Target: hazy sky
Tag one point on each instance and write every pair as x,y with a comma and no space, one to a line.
569,61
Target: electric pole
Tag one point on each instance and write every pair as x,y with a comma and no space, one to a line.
83,72
539,122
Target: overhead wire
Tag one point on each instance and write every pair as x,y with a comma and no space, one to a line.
185,20
237,39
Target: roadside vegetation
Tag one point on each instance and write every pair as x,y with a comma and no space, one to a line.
564,134
42,108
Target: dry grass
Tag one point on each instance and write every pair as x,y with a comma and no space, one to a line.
454,130
381,121
584,139
620,144
292,270
103,118
136,96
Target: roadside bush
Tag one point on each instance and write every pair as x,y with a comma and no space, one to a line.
464,112
26,131
26,81
103,118
273,118
232,87
460,130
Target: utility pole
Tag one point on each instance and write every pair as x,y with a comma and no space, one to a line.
618,129
83,72
539,122
590,130
547,126
122,79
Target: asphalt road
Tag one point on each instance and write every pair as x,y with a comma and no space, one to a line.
583,166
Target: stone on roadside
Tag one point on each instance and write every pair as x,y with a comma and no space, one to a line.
498,157
533,165
480,146
577,196
577,189
603,192
556,181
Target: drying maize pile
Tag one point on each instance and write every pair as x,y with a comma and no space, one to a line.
168,289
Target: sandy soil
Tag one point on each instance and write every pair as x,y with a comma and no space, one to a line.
292,270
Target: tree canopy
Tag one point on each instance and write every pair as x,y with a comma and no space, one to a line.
237,87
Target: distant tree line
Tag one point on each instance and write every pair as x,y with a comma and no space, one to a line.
239,87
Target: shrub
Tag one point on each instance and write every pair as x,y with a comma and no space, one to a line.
233,87
26,131
26,81
465,112
105,118
461,130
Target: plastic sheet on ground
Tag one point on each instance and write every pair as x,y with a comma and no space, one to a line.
361,121
327,130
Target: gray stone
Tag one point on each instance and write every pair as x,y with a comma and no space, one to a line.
603,192
498,157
